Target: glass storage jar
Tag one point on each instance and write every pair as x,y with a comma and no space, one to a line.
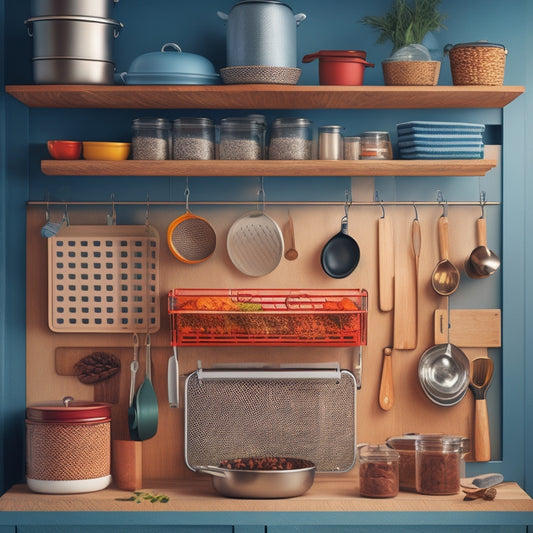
291,138
378,471
241,138
352,148
330,145
438,464
193,138
151,139
376,145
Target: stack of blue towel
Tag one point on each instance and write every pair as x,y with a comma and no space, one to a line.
440,140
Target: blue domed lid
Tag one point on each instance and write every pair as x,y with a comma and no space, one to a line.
171,60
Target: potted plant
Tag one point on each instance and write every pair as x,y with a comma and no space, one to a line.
406,25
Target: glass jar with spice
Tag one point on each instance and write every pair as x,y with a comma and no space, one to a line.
378,471
291,138
151,139
193,138
330,145
438,464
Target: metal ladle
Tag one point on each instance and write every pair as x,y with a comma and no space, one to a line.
482,261
445,277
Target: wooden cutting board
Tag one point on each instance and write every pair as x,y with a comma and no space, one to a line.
470,328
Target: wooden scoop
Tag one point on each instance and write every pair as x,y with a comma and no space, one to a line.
481,370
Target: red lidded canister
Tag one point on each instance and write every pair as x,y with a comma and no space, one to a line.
68,446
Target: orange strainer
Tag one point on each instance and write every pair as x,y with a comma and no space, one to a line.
191,238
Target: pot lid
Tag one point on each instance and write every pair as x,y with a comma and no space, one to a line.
407,441
69,410
478,43
275,2
171,60
360,54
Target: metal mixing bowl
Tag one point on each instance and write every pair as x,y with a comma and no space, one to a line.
444,374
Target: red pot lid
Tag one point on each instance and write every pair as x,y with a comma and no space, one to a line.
69,411
361,54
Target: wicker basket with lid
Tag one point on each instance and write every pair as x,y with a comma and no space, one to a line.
477,63
68,446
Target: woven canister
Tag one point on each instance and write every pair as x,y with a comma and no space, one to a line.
477,63
68,446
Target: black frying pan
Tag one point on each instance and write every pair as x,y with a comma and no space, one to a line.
340,255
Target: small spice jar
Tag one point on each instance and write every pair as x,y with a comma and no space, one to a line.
376,145
378,471
151,139
291,138
352,148
330,145
241,138
438,464
193,138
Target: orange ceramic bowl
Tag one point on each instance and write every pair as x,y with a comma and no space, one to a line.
64,149
106,151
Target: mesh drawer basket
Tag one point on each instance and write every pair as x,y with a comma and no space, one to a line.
305,413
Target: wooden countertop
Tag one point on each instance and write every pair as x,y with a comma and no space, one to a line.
329,494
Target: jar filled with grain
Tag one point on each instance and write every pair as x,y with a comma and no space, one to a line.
241,138
352,148
378,471
330,144
193,138
151,139
291,138
438,464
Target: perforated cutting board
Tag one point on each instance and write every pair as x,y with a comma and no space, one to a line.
104,279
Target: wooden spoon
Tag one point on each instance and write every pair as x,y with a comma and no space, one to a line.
481,370
386,390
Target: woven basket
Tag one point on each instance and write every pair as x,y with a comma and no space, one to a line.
477,65
411,72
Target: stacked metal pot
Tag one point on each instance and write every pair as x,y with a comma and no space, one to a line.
73,41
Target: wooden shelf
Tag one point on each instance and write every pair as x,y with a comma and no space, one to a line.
455,167
260,96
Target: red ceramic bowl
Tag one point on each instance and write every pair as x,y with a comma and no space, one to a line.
64,149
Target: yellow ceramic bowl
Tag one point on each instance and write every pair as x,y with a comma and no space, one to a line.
106,151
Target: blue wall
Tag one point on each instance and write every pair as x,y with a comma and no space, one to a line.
332,25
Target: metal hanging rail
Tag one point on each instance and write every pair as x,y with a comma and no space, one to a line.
152,203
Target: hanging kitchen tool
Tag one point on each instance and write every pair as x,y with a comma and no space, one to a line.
132,404
130,290
416,241
173,374
290,249
340,256
482,262
444,372
255,241
146,409
482,369
50,229
405,310
386,262
386,389
445,278
190,238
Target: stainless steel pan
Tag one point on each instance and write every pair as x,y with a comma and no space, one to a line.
260,484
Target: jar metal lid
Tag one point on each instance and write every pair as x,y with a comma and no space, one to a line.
151,123
69,411
290,122
193,121
330,129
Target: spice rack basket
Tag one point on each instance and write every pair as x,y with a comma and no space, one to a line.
268,317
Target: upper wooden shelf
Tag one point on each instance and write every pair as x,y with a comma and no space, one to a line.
263,96
455,167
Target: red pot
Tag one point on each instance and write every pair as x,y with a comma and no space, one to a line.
340,67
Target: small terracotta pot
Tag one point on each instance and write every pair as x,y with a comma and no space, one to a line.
340,67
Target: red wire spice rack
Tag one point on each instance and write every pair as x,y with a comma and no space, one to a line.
268,317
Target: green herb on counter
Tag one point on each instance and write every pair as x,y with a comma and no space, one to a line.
138,497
